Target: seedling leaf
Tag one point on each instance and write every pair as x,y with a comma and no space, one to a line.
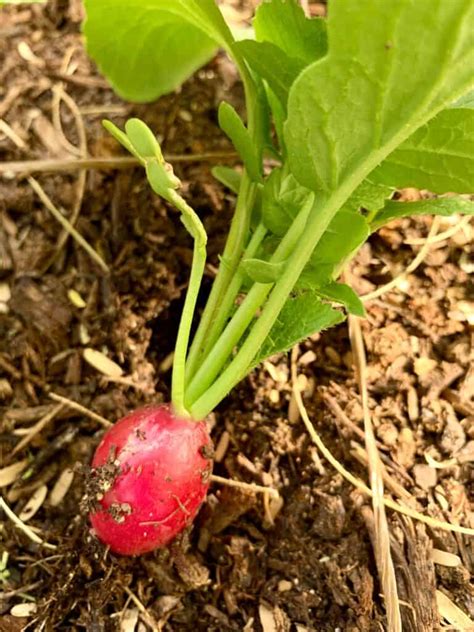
344,294
143,139
263,271
227,176
283,198
232,125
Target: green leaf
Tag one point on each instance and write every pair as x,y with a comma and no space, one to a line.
121,137
282,200
439,156
438,206
143,139
466,101
147,49
227,176
283,23
347,231
344,294
300,317
273,65
232,125
369,196
391,67
263,271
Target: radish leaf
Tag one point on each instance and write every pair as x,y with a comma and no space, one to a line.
439,206
439,156
283,23
302,316
350,110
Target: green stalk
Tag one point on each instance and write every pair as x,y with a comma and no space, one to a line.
239,227
228,300
318,222
244,315
230,260
178,381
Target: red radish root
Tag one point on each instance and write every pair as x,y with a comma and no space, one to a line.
151,472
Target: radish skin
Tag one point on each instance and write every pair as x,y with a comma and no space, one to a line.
150,474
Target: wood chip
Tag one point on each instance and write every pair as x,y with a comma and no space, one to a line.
34,503
222,447
102,363
129,620
412,404
23,610
76,299
9,474
267,619
453,615
443,558
61,487
5,293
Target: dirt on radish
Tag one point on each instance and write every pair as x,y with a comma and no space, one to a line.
248,563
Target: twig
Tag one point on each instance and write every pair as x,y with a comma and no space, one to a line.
382,534
461,225
58,95
25,528
148,618
66,224
411,268
248,486
37,428
76,164
81,409
356,482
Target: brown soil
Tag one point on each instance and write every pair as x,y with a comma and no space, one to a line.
313,568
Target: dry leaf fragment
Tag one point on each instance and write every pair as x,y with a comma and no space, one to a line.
443,558
23,610
102,363
129,620
34,503
453,614
61,487
9,474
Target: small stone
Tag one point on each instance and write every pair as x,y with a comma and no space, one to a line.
425,476
387,433
413,404
406,448
423,366
284,585
6,390
453,437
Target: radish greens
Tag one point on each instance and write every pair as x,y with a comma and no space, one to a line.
375,98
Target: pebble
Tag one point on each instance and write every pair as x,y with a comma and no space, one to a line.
453,437
425,476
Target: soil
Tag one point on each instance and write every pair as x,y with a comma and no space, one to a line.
248,564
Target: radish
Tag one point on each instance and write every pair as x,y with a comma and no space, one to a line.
150,474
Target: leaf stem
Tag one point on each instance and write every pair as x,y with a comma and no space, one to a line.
240,222
244,315
320,217
197,271
230,295
230,260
